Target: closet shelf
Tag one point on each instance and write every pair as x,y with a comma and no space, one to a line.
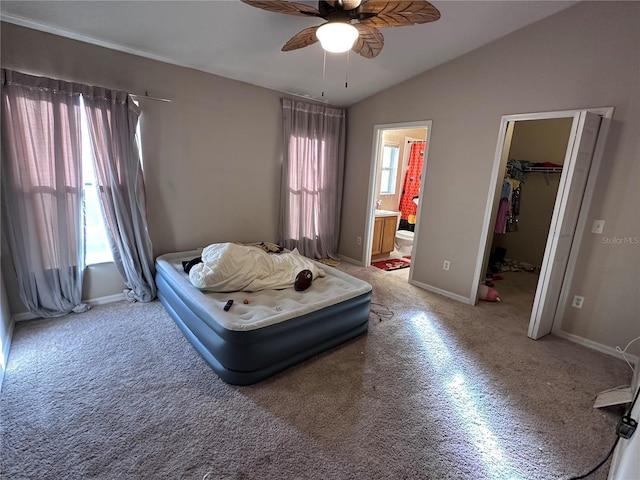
543,169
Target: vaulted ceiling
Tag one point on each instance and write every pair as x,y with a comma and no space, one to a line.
234,40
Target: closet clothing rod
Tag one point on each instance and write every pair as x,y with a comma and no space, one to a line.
543,169
147,97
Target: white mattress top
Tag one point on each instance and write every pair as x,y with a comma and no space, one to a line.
265,307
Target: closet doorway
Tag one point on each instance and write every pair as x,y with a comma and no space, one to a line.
535,160
398,163
574,142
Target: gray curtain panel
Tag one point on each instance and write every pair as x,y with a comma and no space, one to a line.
113,119
312,176
42,191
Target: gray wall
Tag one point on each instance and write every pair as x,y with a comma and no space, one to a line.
6,323
585,56
6,328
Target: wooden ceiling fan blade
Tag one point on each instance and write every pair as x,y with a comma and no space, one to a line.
397,13
283,6
301,39
370,41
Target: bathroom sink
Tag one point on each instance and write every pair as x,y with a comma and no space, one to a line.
386,213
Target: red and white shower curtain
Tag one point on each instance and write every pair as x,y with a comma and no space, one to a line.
412,181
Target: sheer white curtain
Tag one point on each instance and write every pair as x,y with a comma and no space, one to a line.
113,119
312,173
42,191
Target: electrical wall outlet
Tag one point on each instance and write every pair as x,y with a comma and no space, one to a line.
577,301
446,265
359,241
598,226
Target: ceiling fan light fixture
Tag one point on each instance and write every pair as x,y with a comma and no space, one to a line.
337,37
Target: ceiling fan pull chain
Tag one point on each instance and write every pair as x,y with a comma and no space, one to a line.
324,68
346,75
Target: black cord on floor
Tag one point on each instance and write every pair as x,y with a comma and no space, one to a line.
381,311
594,469
628,413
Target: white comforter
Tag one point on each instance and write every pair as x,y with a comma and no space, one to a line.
230,267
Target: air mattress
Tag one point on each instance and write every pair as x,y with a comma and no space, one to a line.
267,331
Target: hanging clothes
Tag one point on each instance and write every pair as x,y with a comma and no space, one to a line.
509,207
412,182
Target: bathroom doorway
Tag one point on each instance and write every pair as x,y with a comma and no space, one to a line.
398,164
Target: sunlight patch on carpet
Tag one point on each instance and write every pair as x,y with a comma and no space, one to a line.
466,402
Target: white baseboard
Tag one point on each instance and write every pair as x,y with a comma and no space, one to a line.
351,260
442,292
424,286
595,345
118,297
21,317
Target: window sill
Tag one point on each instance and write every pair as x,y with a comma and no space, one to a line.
93,263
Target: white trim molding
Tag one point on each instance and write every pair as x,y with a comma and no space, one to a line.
442,292
594,345
21,317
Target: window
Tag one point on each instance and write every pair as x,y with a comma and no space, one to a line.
97,249
389,169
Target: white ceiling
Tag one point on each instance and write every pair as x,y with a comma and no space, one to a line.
232,39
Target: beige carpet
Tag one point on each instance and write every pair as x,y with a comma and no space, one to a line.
436,389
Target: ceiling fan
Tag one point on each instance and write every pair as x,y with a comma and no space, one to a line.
351,24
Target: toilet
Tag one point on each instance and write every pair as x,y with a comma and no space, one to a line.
404,242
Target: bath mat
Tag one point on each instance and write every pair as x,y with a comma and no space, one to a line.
391,264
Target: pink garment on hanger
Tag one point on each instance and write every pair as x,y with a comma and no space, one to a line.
503,215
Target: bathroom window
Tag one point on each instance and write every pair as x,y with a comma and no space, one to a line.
389,169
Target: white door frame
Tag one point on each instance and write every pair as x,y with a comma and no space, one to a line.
562,232
491,204
373,172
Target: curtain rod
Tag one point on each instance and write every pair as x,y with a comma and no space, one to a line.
308,98
147,97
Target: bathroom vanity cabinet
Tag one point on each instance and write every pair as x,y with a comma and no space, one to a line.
384,232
